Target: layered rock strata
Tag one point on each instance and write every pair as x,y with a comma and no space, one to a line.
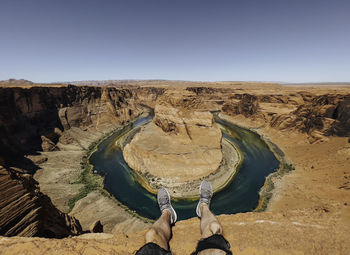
25,211
316,114
47,130
34,119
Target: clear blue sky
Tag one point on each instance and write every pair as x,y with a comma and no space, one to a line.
262,40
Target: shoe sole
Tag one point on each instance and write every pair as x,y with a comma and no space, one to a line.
198,210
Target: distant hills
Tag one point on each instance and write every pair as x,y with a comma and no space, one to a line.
166,82
317,84
16,81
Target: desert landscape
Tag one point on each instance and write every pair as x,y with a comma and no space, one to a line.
52,201
174,127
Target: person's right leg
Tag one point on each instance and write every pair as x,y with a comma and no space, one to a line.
209,223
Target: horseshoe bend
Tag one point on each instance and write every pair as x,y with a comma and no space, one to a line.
181,145
174,134
178,143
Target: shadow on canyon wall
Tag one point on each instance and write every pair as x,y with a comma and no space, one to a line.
34,120
328,114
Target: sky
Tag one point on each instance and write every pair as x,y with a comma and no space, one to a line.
203,40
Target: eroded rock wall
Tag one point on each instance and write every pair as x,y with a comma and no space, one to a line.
314,114
37,119
326,114
33,119
25,211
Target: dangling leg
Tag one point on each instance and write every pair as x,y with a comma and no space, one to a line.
209,223
158,236
212,242
160,231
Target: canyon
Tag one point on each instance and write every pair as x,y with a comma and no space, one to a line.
46,130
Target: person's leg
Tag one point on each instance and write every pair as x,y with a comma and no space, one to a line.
210,226
209,223
160,232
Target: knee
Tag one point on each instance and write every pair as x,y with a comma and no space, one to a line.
215,228
151,235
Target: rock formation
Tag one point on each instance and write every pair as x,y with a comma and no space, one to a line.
316,115
96,227
326,114
247,105
25,211
290,232
56,120
33,119
181,144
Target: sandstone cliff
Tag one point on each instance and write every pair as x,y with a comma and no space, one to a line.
33,119
25,211
54,122
315,114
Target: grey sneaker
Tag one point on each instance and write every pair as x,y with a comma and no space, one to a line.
206,193
164,203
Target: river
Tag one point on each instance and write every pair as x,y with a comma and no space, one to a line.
241,195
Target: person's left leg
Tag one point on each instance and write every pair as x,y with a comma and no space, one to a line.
160,232
158,236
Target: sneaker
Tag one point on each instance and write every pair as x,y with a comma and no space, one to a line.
206,193
164,203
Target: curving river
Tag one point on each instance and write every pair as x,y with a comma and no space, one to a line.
241,195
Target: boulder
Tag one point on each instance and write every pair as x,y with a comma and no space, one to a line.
96,227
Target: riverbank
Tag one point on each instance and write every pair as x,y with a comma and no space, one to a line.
231,160
285,167
67,178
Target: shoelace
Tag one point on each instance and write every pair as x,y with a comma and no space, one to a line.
163,202
206,194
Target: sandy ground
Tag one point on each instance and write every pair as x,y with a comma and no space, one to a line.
293,232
